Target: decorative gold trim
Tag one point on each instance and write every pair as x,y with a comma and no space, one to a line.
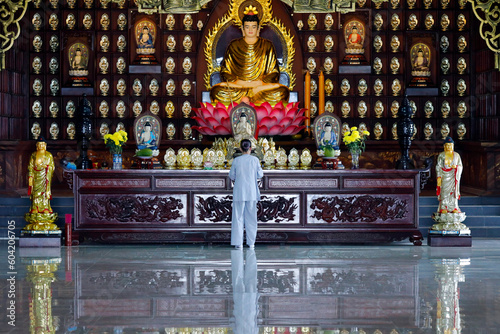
488,13
11,12
231,18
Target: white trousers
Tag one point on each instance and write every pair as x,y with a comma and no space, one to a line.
244,214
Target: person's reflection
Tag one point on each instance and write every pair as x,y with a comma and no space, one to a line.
245,295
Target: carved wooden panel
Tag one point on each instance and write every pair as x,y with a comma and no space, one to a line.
130,209
359,209
271,209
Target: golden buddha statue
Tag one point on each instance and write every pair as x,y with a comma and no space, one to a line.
250,68
40,170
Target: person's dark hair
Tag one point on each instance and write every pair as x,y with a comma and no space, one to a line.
245,145
250,18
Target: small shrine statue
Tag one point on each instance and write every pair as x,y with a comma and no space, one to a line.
326,129
40,171
449,170
147,138
145,39
250,68
243,131
327,137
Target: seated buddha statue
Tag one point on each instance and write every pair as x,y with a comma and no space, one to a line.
250,68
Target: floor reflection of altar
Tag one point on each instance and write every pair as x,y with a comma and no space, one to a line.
319,289
296,206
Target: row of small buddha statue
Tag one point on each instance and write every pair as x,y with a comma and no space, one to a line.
428,131
104,109
217,159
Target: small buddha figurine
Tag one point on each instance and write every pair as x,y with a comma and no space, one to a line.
328,43
328,65
379,109
429,22
53,65
311,65
377,65
328,87
394,109
170,65
120,109
448,171
54,131
121,87
170,109
462,44
445,65
36,130
71,130
345,87
395,65
36,65
362,87
170,22
250,68
53,109
121,43
328,138
461,87
461,131
461,109
461,21
345,109
328,21
377,43
461,65
378,87
445,130
411,3
186,87
378,130
444,44
311,43
445,87
70,109
54,43
428,131
394,131
412,22
311,21
40,170
362,109
104,21
104,129
37,43
445,22
396,87
36,109
395,22
244,131
378,22
147,138
428,109
445,109
395,43
120,65
104,87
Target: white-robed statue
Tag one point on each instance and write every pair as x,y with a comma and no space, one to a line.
448,170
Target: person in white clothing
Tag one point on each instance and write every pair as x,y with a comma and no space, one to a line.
245,171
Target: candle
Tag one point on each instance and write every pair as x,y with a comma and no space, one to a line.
321,88
307,101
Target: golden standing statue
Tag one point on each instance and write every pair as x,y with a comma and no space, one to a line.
449,170
40,170
250,68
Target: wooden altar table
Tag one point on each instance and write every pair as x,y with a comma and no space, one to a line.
311,206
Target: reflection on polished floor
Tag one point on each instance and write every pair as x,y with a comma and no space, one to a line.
389,289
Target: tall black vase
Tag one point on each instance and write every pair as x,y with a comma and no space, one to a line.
405,132
84,132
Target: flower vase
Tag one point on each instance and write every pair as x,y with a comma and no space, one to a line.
355,159
117,161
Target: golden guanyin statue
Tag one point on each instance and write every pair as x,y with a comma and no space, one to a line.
250,67
40,171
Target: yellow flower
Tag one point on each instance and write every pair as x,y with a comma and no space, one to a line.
366,133
118,136
106,137
354,128
124,134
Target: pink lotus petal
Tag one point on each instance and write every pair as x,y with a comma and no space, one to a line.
278,113
286,122
301,112
220,105
289,130
291,112
279,105
198,112
267,106
201,121
212,122
221,130
275,130
292,130
268,121
205,113
290,106
298,120
209,132
261,112
209,107
219,113
226,123
263,130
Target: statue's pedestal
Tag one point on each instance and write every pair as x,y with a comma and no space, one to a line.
40,239
449,231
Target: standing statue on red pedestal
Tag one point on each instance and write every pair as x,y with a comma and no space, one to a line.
40,170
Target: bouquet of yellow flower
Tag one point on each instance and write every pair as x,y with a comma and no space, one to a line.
355,141
115,141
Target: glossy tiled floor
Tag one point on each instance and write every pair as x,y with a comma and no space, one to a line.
395,288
